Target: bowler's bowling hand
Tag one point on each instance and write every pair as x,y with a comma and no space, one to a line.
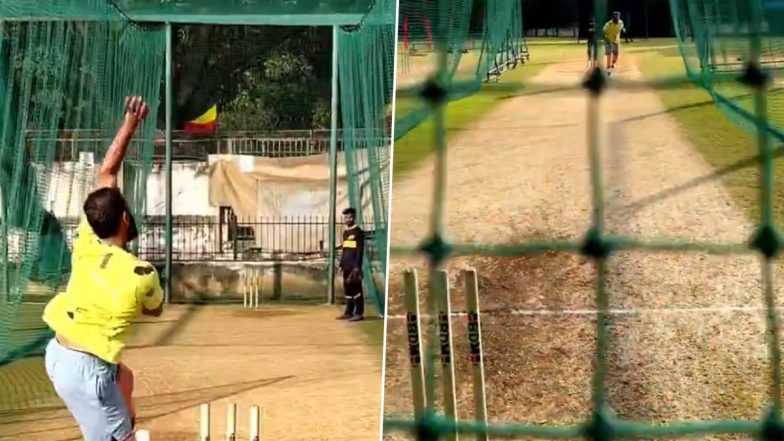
135,110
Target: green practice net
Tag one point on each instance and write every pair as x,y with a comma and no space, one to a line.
705,29
65,67
366,66
717,42
479,40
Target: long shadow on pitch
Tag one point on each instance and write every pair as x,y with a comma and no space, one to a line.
149,407
259,345
192,397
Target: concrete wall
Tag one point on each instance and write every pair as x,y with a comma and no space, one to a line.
190,190
206,281
71,182
223,282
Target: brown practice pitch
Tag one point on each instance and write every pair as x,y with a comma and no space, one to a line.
522,172
315,378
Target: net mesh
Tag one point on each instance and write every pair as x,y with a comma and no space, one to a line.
366,72
749,36
715,39
66,66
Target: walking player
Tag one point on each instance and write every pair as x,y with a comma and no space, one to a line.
352,253
109,288
612,40
593,50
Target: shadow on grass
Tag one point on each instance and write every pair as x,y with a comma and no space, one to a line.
664,51
722,131
747,162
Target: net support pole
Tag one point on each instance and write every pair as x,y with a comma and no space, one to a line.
6,268
168,165
333,171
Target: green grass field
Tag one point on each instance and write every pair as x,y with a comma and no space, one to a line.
713,133
418,144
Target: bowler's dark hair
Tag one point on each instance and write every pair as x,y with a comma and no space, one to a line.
350,211
104,210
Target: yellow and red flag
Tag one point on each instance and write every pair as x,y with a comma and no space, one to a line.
205,124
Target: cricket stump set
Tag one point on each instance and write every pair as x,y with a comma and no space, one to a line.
251,280
254,421
439,300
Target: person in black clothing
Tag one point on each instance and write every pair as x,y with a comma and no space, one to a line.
353,250
593,49
627,37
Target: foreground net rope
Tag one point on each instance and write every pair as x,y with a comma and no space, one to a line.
752,32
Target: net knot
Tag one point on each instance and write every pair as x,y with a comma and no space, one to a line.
428,427
601,427
766,240
437,248
754,76
772,427
596,82
596,245
433,91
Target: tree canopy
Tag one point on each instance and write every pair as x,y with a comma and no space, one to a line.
261,78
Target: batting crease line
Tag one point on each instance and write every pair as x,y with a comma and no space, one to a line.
579,312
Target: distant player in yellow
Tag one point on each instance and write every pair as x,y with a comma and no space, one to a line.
612,39
108,289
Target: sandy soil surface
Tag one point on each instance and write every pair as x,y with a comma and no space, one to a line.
522,172
308,372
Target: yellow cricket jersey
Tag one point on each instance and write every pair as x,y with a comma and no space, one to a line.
106,292
612,31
